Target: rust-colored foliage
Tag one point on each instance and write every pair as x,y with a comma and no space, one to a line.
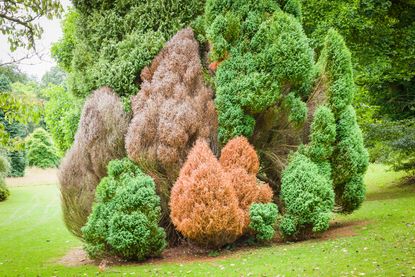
238,153
240,160
99,139
210,200
204,206
173,108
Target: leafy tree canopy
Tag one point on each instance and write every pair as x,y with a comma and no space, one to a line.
18,20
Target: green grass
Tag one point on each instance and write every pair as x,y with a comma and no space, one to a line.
33,238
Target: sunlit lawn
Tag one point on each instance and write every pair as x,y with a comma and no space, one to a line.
33,238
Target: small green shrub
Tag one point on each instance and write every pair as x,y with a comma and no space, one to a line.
4,170
263,218
4,191
4,166
40,150
308,197
124,221
18,163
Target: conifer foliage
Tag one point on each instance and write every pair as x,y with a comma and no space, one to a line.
124,221
41,151
222,126
350,158
211,199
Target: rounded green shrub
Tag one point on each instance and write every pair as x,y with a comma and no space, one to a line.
308,198
4,191
40,150
263,219
4,170
124,220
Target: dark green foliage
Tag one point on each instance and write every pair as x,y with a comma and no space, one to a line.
4,170
18,163
297,108
40,150
308,197
262,220
5,83
394,142
293,7
124,220
62,113
108,43
266,56
380,35
4,191
15,153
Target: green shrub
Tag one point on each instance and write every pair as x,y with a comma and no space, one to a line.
18,163
308,198
4,166
350,158
4,191
262,220
4,170
40,150
124,220
266,56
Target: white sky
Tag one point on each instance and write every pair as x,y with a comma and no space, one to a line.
34,66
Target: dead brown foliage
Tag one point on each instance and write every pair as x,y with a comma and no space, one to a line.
172,110
210,200
99,139
174,107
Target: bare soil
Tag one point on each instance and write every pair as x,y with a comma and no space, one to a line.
189,253
34,177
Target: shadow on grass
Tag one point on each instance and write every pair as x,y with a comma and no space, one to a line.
189,253
403,188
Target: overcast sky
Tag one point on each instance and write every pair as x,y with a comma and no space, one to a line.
36,67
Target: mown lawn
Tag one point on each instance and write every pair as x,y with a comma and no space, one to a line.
33,238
